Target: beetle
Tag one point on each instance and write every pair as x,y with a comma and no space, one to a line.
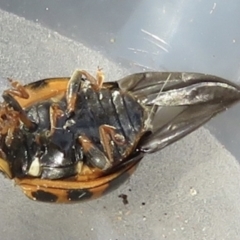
71,139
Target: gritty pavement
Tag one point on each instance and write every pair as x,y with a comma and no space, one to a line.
190,190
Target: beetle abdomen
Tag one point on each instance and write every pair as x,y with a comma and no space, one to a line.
109,107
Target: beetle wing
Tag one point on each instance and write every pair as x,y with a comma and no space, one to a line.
152,85
179,126
182,102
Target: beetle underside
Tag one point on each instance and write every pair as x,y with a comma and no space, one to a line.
71,139
90,123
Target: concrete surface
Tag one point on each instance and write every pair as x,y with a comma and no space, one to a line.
190,190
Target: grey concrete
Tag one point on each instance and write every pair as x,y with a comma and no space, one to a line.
190,189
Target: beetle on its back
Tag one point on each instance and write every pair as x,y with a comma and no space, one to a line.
66,140
90,124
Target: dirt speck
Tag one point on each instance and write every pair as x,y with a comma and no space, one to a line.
124,198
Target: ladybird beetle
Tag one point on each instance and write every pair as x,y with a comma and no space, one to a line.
76,138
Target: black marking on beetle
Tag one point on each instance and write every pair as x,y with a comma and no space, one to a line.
78,194
38,84
44,196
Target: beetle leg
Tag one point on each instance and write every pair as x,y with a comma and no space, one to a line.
79,166
8,118
96,157
12,102
55,113
9,137
2,154
73,87
75,84
107,135
95,82
17,89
